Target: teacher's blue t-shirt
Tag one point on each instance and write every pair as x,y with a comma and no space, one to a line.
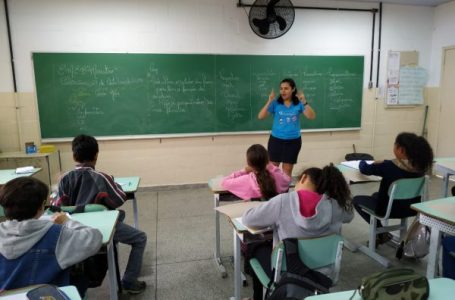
286,120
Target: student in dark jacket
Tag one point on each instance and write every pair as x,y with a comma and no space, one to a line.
85,185
413,158
39,251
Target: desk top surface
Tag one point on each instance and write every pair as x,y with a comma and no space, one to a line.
128,184
215,185
23,154
440,289
104,221
446,164
69,290
9,174
442,209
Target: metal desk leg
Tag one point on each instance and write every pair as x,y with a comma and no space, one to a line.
112,271
237,272
216,200
49,170
445,185
136,222
435,240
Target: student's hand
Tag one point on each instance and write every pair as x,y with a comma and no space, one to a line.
301,96
59,218
272,96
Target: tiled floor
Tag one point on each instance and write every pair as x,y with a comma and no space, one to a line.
178,263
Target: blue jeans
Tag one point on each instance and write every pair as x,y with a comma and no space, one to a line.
448,261
137,239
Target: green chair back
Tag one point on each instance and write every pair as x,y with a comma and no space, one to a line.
314,252
407,188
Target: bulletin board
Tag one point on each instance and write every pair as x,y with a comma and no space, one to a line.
405,79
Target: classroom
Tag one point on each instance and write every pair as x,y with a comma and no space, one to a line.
174,167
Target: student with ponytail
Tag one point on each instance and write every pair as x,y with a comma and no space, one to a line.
259,179
320,204
413,158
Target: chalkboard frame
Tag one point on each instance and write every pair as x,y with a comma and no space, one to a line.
198,134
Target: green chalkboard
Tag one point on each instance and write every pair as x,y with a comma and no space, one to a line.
139,94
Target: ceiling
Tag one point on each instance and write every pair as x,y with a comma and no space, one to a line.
408,2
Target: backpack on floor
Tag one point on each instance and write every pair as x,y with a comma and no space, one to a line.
416,244
298,281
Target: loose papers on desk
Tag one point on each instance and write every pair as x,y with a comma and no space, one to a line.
355,163
242,227
25,170
235,211
352,173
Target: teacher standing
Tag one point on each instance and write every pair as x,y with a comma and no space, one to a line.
285,141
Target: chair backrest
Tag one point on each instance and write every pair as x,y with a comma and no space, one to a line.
407,188
316,253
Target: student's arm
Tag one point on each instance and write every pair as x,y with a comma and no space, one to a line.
115,195
347,216
265,214
240,184
264,112
376,168
76,243
62,197
308,111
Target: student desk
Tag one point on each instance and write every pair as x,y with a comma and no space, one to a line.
353,175
51,162
105,222
238,232
440,289
9,174
439,215
217,190
129,186
17,294
445,166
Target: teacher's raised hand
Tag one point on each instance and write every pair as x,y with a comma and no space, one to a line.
309,112
272,96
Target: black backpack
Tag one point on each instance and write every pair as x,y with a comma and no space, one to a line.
298,281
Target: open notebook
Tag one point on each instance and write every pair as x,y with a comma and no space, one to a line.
355,163
242,227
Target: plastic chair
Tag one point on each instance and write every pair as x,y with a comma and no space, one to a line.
317,253
402,189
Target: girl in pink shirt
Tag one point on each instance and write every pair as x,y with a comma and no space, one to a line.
259,179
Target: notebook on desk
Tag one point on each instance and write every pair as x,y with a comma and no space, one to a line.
242,227
355,163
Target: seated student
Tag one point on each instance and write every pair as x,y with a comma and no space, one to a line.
259,179
34,251
448,253
85,185
413,157
318,206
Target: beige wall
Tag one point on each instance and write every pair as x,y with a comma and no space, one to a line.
176,161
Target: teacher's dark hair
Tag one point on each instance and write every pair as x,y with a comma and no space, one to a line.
294,98
84,148
22,197
258,158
